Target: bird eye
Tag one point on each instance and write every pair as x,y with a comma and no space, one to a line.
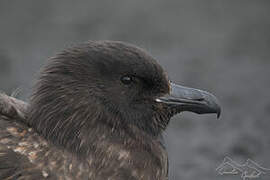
126,79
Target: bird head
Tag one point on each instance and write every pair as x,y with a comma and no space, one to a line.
108,83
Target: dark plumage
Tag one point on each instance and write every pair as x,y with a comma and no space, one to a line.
97,112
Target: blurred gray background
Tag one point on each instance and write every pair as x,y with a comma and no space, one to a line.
216,45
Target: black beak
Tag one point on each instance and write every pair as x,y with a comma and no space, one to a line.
189,99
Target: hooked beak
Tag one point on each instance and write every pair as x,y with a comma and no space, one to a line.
189,99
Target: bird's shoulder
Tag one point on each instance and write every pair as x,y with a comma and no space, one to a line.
26,155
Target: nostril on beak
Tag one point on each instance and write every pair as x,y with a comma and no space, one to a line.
199,99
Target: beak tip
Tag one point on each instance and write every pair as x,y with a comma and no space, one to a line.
218,113
213,103
218,110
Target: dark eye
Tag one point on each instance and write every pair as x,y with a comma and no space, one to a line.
127,79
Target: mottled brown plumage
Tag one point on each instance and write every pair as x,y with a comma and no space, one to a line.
97,112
